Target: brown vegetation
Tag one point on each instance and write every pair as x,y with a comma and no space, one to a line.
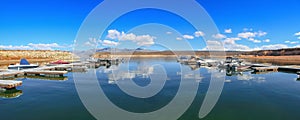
280,52
34,56
278,60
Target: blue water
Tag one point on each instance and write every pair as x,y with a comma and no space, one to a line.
245,96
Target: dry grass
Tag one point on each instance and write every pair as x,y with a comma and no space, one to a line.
41,57
279,60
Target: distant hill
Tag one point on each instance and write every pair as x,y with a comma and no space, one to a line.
121,50
279,52
149,53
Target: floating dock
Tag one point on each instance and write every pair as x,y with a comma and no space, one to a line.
290,69
295,69
46,73
265,69
10,84
10,74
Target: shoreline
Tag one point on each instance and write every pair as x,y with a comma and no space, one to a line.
5,63
276,60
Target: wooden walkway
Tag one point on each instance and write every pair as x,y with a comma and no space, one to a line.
265,69
52,71
47,73
291,69
9,74
10,84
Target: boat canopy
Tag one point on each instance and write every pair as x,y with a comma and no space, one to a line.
60,62
24,62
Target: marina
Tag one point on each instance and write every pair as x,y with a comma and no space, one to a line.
40,88
237,65
55,70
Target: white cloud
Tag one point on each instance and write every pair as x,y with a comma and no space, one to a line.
92,42
214,45
297,34
141,40
32,46
199,34
299,38
11,47
109,43
231,40
291,42
124,37
168,33
41,46
255,40
273,47
261,33
267,40
219,36
294,42
228,31
213,42
188,37
237,47
145,40
247,35
247,29
113,34
230,44
297,46
178,38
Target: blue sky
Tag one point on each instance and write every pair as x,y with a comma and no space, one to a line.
53,24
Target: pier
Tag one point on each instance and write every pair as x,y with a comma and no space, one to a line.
10,84
56,70
289,69
10,74
265,69
46,73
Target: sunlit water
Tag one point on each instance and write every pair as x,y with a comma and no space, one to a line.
245,96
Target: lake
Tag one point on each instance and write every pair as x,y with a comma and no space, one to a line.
245,95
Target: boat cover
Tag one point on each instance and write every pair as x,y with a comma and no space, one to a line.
24,62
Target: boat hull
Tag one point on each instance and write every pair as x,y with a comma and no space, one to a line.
18,67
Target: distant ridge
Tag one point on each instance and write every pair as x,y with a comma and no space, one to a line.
278,52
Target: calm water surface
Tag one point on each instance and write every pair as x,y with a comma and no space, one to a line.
245,96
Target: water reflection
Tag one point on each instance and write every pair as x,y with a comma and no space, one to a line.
39,77
242,75
119,72
9,94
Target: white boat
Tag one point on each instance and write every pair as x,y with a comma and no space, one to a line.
207,62
24,64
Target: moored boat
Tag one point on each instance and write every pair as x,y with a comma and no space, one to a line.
60,62
24,64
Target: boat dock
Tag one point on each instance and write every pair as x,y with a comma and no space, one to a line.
290,69
46,73
265,69
10,84
9,74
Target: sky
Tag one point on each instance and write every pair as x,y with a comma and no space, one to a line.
243,25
